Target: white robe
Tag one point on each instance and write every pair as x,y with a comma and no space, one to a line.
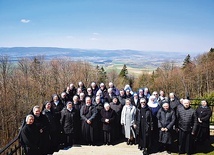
128,120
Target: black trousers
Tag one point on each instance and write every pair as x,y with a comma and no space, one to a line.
30,151
69,139
107,136
185,144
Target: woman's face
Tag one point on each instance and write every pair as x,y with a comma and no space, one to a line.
204,103
142,103
48,106
115,100
55,98
30,120
107,108
128,102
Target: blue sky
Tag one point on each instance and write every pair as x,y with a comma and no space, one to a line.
147,25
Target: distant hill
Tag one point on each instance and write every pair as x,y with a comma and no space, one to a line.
132,58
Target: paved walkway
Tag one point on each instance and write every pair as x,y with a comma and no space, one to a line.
119,149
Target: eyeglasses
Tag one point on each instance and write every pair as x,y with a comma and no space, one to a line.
142,102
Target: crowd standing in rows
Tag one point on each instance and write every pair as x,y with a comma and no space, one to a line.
100,115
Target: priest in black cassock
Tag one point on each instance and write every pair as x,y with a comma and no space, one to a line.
88,113
144,126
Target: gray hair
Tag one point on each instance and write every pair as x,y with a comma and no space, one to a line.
106,105
36,107
28,116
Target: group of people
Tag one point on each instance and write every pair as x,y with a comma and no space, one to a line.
100,115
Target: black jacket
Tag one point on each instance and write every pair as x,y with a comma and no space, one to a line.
166,119
144,126
68,120
30,136
88,114
204,113
187,120
110,114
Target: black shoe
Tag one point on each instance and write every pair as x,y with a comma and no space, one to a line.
128,142
145,152
169,152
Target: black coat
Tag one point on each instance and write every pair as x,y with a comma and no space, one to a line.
187,119
173,104
88,113
166,119
98,107
110,114
57,112
122,99
43,128
204,113
29,138
144,126
109,98
68,120
51,119
136,103
147,116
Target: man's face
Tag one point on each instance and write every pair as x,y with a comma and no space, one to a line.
69,106
186,104
37,112
88,101
165,106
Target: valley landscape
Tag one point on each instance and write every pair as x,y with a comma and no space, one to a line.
136,61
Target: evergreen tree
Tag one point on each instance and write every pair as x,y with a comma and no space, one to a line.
123,72
187,61
123,76
101,74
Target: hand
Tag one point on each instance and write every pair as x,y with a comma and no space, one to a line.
176,129
193,133
135,126
88,121
166,129
107,120
199,120
162,129
41,130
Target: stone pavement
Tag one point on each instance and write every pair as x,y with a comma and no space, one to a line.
119,149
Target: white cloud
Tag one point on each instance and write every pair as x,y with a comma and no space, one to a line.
93,39
96,34
25,21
